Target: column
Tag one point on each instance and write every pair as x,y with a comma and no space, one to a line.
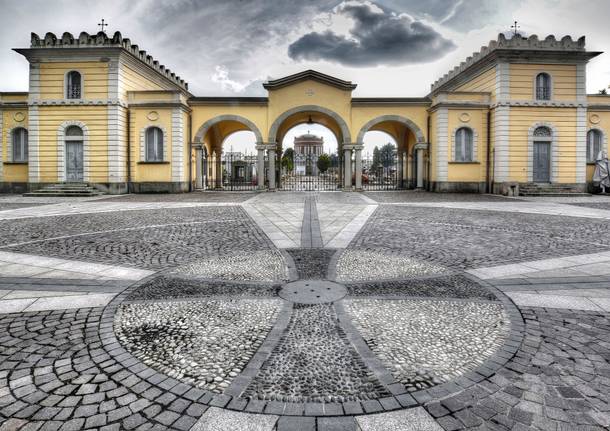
260,167
399,174
271,168
199,168
218,163
358,170
420,168
405,170
347,163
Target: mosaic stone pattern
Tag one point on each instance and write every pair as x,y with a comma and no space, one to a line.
313,362
264,265
366,264
205,343
425,343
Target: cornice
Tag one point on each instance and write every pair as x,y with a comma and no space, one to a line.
228,101
541,103
384,101
78,102
275,84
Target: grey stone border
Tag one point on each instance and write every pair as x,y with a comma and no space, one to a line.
230,399
203,129
347,137
419,135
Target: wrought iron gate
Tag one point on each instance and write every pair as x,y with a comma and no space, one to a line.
232,171
310,172
381,170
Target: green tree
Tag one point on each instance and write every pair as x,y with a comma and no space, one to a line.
376,159
386,153
288,160
323,162
603,91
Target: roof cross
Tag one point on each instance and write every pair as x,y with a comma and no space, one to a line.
103,24
515,28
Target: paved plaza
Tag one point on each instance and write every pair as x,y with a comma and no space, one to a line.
305,311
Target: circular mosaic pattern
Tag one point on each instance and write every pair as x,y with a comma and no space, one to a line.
342,335
312,291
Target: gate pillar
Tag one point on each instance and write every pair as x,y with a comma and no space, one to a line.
199,168
272,168
260,167
420,148
218,171
358,166
347,163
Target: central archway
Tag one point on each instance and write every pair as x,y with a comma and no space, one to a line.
326,117
321,170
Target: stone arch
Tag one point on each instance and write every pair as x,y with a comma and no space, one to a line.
310,108
419,135
203,130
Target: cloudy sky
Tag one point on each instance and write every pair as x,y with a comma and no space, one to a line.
226,47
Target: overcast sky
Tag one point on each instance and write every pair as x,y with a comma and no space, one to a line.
226,47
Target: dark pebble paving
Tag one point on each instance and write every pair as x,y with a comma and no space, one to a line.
452,286
596,205
153,247
13,206
461,239
422,196
314,362
167,287
311,263
184,197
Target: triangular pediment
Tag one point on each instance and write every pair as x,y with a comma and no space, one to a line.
274,84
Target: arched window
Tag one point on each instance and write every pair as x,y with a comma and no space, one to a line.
594,145
154,144
20,145
463,145
73,85
543,86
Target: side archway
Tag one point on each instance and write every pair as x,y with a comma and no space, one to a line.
419,135
275,127
205,127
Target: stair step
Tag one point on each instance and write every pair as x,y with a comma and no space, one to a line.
66,190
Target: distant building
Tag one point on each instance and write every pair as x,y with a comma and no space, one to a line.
307,149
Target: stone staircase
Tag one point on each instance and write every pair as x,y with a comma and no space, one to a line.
548,189
66,190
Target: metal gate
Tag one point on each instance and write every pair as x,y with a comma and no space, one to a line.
233,171
381,171
310,172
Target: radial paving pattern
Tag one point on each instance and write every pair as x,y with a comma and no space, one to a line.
230,328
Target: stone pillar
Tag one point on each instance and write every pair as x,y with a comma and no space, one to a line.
405,170
271,168
420,168
347,163
260,167
199,168
218,165
358,167
399,173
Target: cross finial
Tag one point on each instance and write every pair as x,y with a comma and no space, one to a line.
515,28
103,24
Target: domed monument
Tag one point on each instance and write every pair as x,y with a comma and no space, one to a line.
307,149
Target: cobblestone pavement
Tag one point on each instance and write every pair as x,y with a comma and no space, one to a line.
410,324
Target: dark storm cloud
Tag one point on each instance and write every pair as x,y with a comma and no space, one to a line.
378,37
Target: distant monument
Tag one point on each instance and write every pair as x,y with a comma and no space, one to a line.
307,149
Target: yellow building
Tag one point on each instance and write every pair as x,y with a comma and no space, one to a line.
101,111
